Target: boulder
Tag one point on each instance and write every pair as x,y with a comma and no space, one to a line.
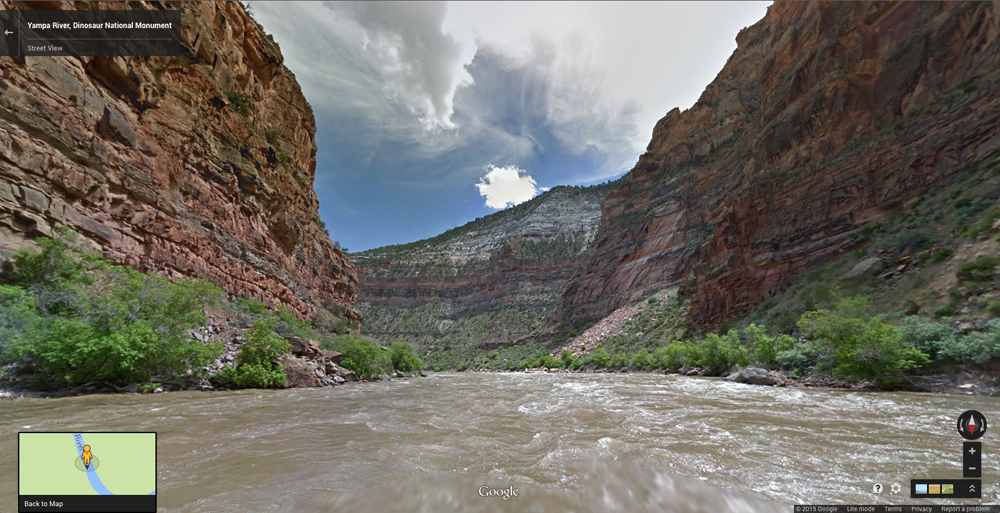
332,369
865,268
399,374
754,376
384,377
302,372
304,347
332,356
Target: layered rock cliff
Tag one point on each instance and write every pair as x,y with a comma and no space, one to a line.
826,118
493,281
200,165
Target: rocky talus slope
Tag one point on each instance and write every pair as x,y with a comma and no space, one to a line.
493,281
200,165
828,117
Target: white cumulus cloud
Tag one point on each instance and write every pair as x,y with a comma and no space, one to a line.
506,186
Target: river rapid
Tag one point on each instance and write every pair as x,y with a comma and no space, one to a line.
564,442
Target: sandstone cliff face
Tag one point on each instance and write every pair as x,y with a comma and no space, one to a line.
538,241
827,117
200,165
509,269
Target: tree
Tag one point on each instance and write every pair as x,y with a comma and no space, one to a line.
601,358
863,346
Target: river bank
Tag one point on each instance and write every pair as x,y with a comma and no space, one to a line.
953,379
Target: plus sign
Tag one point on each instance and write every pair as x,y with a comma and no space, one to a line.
972,450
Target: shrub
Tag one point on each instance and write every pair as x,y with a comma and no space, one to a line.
718,355
92,321
257,363
862,345
363,357
287,324
799,358
946,310
601,358
983,225
975,347
941,254
549,362
679,354
403,358
641,360
618,360
983,268
566,358
272,136
914,240
55,275
763,347
239,102
926,335
993,308
17,316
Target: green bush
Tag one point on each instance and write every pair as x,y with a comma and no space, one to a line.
982,269
239,102
566,358
941,254
75,319
993,308
983,225
272,136
946,310
257,363
718,355
618,360
363,357
799,358
641,360
680,353
914,240
403,358
765,348
288,324
863,346
601,358
549,362
17,316
975,347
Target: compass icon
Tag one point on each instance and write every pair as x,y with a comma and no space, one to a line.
971,425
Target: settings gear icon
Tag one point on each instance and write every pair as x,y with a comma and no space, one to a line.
895,488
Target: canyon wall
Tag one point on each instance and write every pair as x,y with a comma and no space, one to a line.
492,281
827,117
200,165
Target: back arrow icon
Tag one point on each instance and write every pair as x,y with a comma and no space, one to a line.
7,32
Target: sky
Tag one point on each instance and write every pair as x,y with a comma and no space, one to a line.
431,114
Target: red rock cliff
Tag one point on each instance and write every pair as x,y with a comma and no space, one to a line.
827,117
200,165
